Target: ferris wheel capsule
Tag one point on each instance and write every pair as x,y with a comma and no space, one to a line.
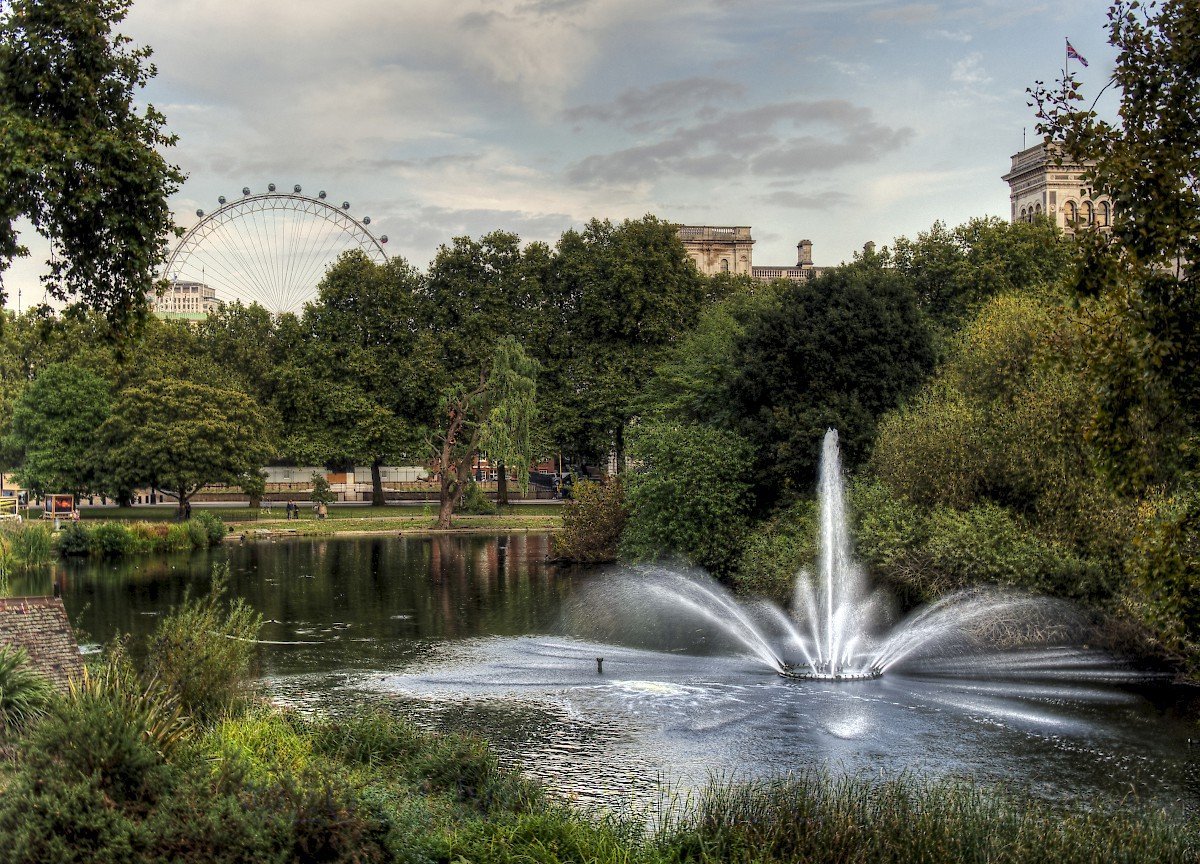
296,188
345,205
245,190
366,220
221,199
383,239
321,194
200,213
270,187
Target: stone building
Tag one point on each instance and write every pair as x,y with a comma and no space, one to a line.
40,626
719,249
188,301
802,272
1039,187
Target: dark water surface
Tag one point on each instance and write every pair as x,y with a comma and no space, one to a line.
476,633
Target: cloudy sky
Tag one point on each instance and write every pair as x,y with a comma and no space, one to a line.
841,121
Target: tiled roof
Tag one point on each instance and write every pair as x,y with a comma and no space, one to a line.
40,626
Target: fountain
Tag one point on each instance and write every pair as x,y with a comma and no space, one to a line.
838,627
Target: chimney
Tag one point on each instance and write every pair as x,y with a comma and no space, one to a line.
868,249
804,253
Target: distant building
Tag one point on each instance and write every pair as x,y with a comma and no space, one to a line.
1039,187
730,249
719,249
802,272
187,301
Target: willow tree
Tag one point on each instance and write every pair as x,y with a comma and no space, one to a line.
507,433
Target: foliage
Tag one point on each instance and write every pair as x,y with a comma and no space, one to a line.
77,159
202,652
322,492
24,694
1146,342
116,539
475,502
253,484
619,296
506,434
109,540
74,540
817,817
28,544
687,494
835,352
776,550
53,435
180,436
213,527
954,271
592,522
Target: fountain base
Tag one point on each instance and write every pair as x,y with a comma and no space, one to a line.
807,673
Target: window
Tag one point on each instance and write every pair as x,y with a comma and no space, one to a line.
1105,213
724,265
1072,214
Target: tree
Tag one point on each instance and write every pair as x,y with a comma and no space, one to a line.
955,271
322,492
179,437
621,294
254,484
360,392
838,352
688,493
55,430
507,432
77,158
1143,277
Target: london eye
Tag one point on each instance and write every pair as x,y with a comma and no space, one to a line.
270,248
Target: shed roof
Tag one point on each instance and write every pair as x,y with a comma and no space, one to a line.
40,626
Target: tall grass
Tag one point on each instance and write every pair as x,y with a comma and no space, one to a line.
816,817
24,694
117,539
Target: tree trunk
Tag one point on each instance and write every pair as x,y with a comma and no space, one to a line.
182,501
501,483
124,499
377,499
255,501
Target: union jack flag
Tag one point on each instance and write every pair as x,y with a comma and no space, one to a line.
1072,54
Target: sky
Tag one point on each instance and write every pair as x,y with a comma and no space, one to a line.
838,121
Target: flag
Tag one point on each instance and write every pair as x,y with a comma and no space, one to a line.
1072,54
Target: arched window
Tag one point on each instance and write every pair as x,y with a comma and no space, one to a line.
724,265
1024,217
1072,214
1105,213
1089,213
1037,211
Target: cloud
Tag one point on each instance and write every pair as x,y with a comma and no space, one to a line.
969,72
645,108
780,139
953,35
826,200
912,13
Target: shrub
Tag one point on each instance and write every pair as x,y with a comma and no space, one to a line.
147,536
197,534
265,745
687,495
593,520
775,550
475,502
214,528
110,540
202,651
24,694
73,540
67,821
110,728
370,738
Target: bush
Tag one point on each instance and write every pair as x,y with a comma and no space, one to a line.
147,537
265,745
687,494
73,540
475,502
214,528
776,550
372,738
202,651
593,520
197,534
24,694
110,540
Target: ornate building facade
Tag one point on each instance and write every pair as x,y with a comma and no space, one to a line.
730,249
1040,187
190,301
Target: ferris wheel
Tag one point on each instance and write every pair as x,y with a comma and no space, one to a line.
270,248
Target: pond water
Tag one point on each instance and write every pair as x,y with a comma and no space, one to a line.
476,633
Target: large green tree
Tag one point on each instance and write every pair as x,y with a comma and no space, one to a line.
55,435
358,391
620,296
838,352
507,434
78,158
179,436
